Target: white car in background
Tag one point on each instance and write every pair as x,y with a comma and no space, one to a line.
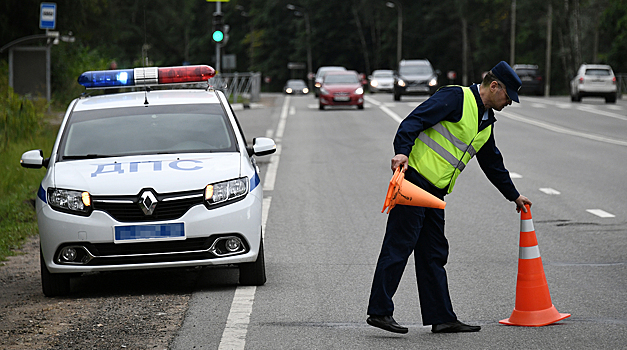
595,80
382,80
149,179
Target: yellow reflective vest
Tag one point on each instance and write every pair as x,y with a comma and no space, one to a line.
441,152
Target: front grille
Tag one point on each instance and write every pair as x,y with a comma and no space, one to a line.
104,254
170,206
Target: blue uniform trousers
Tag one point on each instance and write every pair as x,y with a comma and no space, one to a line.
421,231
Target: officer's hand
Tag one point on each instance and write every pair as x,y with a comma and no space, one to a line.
520,203
400,160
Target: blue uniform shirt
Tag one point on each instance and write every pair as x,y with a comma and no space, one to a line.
446,104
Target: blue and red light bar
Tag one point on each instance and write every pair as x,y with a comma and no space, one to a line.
145,76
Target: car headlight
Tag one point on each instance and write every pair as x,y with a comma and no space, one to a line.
288,90
305,90
318,84
323,91
374,83
226,191
433,81
400,83
70,201
359,91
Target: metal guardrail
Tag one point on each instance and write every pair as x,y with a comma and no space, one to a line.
236,85
621,80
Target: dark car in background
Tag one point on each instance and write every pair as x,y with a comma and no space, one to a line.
531,78
415,77
296,87
341,89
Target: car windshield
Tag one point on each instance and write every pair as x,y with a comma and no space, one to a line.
296,84
341,79
383,75
417,70
147,130
597,71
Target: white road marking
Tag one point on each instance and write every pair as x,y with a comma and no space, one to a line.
292,110
538,105
562,130
600,213
384,108
550,191
236,328
515,175
234,335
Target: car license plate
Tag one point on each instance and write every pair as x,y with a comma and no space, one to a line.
136,233
417,88
342,98
526,79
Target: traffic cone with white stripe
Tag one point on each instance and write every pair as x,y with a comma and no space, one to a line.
533,301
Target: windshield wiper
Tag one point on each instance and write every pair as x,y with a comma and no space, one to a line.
88,156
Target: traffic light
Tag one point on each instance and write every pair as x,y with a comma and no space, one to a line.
218,27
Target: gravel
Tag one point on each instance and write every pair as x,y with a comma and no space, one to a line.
114,310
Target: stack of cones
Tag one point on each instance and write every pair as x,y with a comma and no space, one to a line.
533,302
403,192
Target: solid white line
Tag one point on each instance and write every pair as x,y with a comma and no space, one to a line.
273,168
600,213
281,127
562,130
515,175
387,111
234,335
236,328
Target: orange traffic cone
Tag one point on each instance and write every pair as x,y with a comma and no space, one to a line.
404,192
533,301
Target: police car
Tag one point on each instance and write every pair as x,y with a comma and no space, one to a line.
149,179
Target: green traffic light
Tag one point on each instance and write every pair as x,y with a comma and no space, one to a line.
218,36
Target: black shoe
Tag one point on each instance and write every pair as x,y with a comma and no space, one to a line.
454,327
387,323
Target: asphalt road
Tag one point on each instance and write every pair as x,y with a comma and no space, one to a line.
324,192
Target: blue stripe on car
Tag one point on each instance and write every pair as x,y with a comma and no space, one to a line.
254,181
41,193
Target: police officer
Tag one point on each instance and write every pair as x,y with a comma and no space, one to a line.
433,144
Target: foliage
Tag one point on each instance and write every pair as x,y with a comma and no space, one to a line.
359,34
23,128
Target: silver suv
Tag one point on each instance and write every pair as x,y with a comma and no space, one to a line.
594,80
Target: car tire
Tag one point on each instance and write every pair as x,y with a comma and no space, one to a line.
397,97
253,274
361,106
610,99
320,106
53,284
575,98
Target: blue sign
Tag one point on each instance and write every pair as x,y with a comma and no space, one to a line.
48,15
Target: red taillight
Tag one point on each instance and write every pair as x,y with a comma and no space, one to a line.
614,80
539,78
185,74
581,80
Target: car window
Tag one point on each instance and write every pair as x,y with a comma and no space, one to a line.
340,79
147,130
597,71
383,75
526,71
416,70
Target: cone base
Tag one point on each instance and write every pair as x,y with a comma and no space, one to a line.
534,318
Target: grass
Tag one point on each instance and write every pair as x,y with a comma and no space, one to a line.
18,190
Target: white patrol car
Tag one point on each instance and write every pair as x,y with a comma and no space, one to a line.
149,179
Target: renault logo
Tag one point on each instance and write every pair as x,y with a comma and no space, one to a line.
147,202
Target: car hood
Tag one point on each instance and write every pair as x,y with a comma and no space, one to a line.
341,87
163,173
416,77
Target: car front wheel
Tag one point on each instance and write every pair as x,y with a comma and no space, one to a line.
53,284
253,274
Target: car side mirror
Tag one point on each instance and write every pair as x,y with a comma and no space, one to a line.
262,146
34,159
